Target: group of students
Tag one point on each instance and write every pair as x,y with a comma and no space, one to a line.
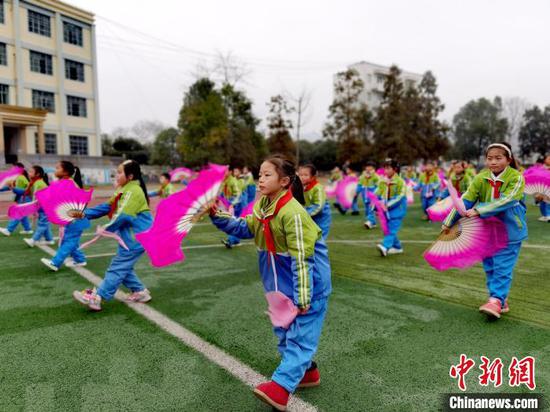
290,223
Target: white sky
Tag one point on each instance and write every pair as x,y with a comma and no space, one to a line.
476,48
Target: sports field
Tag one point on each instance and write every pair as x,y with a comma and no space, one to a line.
394,327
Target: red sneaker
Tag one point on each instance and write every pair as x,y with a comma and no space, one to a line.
273,394
492,308
311,378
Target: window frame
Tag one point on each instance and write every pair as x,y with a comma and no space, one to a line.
3,54
36,23
4,91
75,141
41,94
79,38
82,110
44,65
76,65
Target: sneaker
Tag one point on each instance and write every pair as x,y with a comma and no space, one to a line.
49,264
29,242
339,208
394,251
505,308
47,242
273,394
26,232
88,297
311,378
143,296
369,225
73,264
5,231
383,250
355,213
492,308
544,219
227,244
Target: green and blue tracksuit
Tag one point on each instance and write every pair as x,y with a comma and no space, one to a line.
318,207
232,191
428,185
163,192
130,215
70,244
21,183
250,187
544,207
43,228
393,193
501,197
460,183
302,268
369,183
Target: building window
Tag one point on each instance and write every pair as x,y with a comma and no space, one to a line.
76,106
39,23
41,62
72,34
50,143
74,70
2,20
3,54
79,145
43,100
4,94
380,78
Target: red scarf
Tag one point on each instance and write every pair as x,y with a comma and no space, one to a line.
388,193
269,242
496,188
29,187
428,175
311,185
114,206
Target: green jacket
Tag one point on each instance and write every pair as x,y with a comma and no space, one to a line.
369,181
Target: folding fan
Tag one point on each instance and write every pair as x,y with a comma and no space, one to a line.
9,175
381,171
409,190
346,191
177,214
281,310
61,198
442,179
180,173
248,210
380,212
330,189
537,181
440,210
19,211
102,232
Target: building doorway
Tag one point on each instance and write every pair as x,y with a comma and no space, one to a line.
11,144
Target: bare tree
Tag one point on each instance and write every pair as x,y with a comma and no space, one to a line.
301,106
513,109
229,69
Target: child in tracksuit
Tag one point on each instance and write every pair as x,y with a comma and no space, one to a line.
292,255
369,183
38,181
315,198
458,178
428,185
21,182
129,214
543,203
392,192
71,234
250,184
498,191
166,188
232,191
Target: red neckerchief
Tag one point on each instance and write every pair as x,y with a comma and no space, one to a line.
114,206
311,185
428,175
269,242
29,187
496,188
390,183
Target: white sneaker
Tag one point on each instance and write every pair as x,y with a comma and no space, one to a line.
49,264
29,242
88,297
73,264
383,251
26,232
544,219
394,251
5,231
47,242
368,225
142,296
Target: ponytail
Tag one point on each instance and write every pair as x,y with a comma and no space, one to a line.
77,177
72,171
286,168
297,189
131,167
39,170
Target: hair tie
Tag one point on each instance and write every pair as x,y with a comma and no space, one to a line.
501,146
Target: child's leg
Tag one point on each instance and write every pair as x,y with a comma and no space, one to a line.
500,278
77,254
42,228
302,339
281,336
12,225
121,266
26,223
391,239
396,226
132,282
543,206
68,245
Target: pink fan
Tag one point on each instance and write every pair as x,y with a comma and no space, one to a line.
442,178
380,212
177,214
9,175
381,172
19,211
281,309
180,173
330,190
537,181
346,191
409,190
62,197
440,210
248,210
468,242
224,202
458,203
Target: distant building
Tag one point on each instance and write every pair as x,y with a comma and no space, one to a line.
48,82
373,76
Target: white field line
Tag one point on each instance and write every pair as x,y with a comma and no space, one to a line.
239,370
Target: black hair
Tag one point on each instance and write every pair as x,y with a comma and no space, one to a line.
22,166
73,171
394,164
508,153
166,175
131,167
286,168
370,163
311,167
39,171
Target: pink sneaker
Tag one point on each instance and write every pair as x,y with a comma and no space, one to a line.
88,297
143,296
492,308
